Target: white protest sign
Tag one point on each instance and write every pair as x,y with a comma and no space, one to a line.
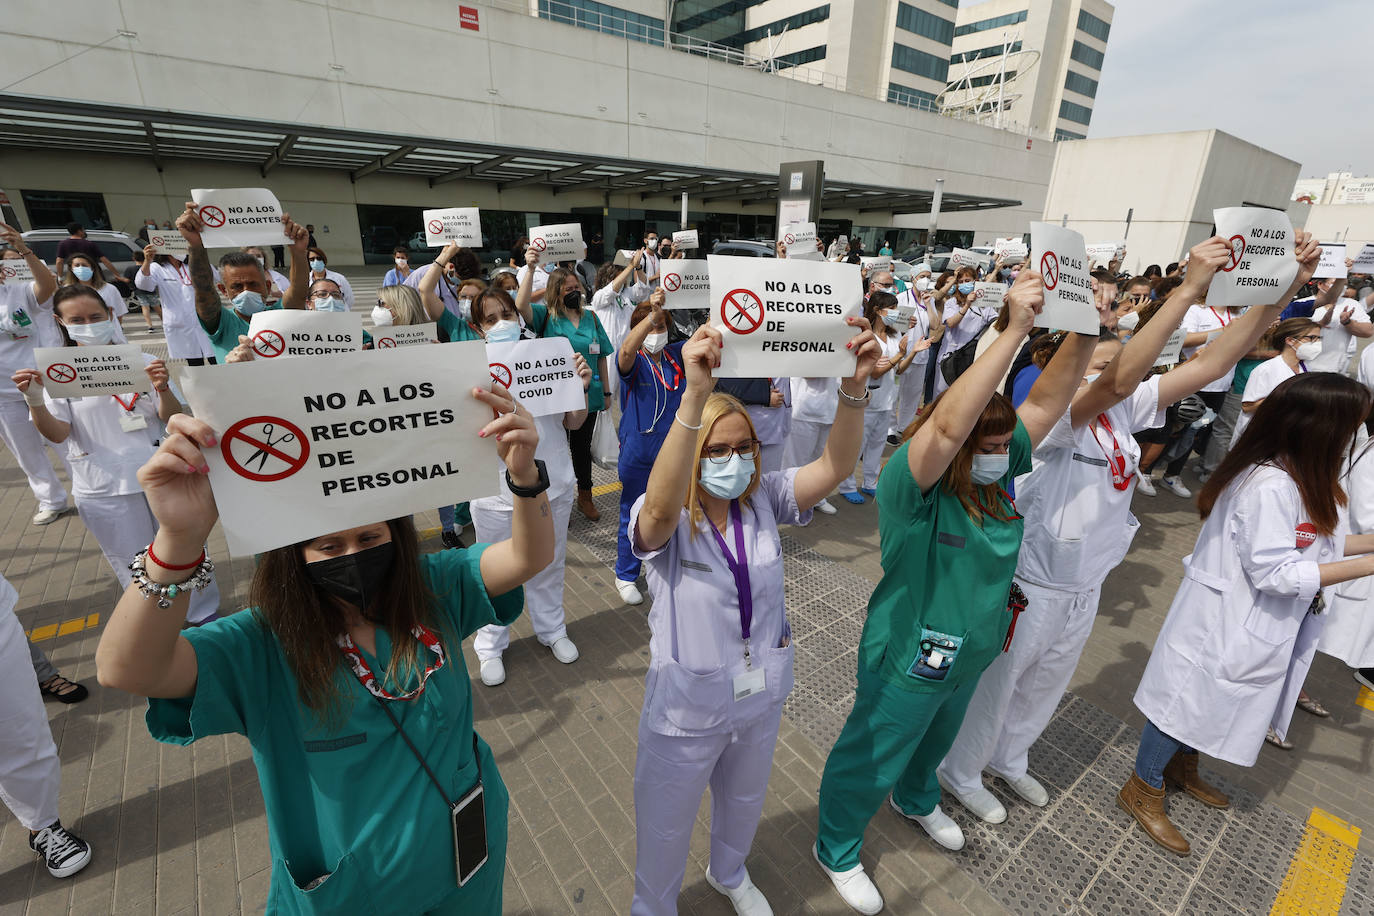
784,317
298,332
309,447
989,294
405,335
170,241
1262,265
1103,252
1172,348
962,257
234,217
1010,249
876,264
1332,263
1364,261
686,240
1063,265
15,270
540,374
793,212
686,283
799,241
453,224
80,372
558,243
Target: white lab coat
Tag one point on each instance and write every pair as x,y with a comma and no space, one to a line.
1235,649
1349,633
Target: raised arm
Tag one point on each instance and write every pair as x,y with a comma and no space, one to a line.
44,283
514,561
1050,395
1353,327
626,275
1240,336
299,287
202,276
524,294
634,338
939,439
167,403
30,385
434,306
845,440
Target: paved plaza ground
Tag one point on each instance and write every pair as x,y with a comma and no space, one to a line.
179,830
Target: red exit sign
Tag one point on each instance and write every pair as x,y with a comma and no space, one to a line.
467,18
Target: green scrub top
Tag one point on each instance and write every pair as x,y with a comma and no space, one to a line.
942,571
456,328
350,800
583,335
225,335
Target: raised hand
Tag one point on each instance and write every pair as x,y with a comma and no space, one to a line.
176,482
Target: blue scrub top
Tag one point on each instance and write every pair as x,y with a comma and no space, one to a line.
648,405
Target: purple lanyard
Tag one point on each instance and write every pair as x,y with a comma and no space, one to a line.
739,567
1302,365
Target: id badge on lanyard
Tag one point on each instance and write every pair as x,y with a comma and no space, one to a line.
129,421
751,681
1116,459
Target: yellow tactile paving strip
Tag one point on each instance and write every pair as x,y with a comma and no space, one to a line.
1316,879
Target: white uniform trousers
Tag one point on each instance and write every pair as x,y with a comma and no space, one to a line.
543,593
670,774
1019,692
876,423
124,525
909,385
26,444
29,769
805,442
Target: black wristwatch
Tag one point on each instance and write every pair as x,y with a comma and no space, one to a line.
530,492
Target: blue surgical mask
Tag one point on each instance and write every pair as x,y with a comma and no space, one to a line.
317,265
82,272
891,319
727,480
248,303
504,331
331,304
965,288
989,468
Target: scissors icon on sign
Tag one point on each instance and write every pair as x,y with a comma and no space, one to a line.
261,454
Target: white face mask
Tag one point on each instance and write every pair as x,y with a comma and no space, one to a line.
402,262
923,284
989,468
1129,321
465,309
382,317
97,333
1310,350
656,342
503,331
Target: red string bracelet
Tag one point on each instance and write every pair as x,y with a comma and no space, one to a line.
168,566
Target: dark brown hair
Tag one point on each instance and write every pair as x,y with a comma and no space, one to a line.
997,419
307,622
477,309
67,294
876,301
1303,427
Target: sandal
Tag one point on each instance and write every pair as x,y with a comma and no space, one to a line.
1307,704
1273,738
64,690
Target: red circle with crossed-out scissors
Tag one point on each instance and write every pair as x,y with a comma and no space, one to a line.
1049,269
672,282
1237,252
212,216
500,372
277,446
61,372
268,344
436,226
742,311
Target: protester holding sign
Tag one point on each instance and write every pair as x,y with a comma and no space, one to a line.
108,437
943,610
432,285
492,517
1079,527
169,277
353,639
965,318
84,270
26,322
651,386
880,311
720,651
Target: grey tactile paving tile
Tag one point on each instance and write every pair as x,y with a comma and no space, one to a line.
1024,888
1232,881
1109,896
1054,856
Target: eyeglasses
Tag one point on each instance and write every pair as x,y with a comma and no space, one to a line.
325,294
1310,338
720,454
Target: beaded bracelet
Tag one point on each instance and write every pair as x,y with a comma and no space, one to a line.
199,579
853,401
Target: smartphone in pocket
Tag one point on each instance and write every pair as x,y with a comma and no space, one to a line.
469,815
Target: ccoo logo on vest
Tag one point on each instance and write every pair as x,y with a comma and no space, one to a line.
1306,535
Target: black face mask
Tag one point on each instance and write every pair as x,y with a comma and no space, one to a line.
357,577
572,301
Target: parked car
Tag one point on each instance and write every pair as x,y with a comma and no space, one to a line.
119,247
745,248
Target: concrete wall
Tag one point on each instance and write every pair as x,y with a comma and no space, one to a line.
1349,223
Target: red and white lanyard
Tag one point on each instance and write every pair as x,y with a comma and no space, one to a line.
369,680
129,407
1223,316
662,378
184,274
1116,459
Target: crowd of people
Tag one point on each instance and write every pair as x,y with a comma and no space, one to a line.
1003,506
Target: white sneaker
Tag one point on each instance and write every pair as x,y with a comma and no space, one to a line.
1146,485
565,650
980,801
825,508
48,516
855,888
493,672
1027,786
1175,486
629,592
747,899
937,825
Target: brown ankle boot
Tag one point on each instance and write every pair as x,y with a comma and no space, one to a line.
1145,803
1182,772
586,506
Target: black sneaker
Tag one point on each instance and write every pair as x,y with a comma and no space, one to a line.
894,439
1365,676
450,540
63,852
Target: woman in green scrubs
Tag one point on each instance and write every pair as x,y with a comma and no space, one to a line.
348,630
949,536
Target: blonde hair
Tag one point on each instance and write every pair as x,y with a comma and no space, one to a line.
405,302
718,405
